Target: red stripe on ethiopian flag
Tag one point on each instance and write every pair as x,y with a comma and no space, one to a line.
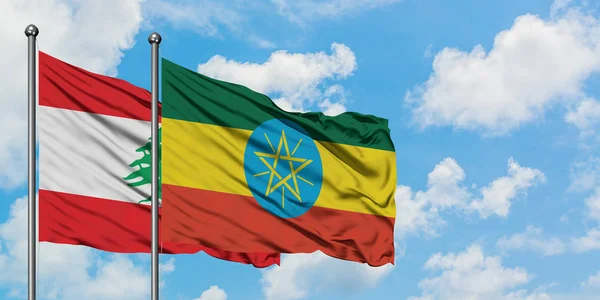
319,228
93,164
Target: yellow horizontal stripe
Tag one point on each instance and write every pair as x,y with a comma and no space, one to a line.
211,157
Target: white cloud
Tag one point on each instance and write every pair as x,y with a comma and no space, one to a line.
593,282
588,291
301,275
559,6
533,66
591,241
75,31
334,101
496,197
167,267
65,271
524,295
587,243
420,211
585,175
331,109
117,278
261,42
444,190
301,11
565,217
472,275
202,16
532,239
592,204
213,293
296,80
211,18
427,53
415,214
586,116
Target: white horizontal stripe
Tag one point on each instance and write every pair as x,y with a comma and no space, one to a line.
89,154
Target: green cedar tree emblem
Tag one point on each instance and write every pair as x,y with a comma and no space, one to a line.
143,173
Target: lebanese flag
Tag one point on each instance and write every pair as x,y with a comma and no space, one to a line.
94,171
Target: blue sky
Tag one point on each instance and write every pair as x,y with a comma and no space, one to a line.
493,111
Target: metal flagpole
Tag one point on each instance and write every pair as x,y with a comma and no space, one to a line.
154,40
31,32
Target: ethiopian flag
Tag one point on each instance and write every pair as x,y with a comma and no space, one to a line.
240,174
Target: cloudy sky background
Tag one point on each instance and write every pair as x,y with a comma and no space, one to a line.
494,112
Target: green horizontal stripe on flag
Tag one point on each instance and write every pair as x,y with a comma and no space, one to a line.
193,97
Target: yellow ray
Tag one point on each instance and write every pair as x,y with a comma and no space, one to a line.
303,179
261,174
269,141
294,177
296,148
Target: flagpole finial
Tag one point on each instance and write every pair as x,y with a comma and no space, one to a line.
154,38
31,30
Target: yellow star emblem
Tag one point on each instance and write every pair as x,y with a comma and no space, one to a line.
290,158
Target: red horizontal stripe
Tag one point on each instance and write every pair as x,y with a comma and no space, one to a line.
66,86
239,223
117,226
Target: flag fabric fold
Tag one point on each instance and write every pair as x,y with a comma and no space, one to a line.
94,165
240,174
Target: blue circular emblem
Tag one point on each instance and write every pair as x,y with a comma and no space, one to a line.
283,168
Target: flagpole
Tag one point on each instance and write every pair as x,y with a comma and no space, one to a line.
154,39
31,32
